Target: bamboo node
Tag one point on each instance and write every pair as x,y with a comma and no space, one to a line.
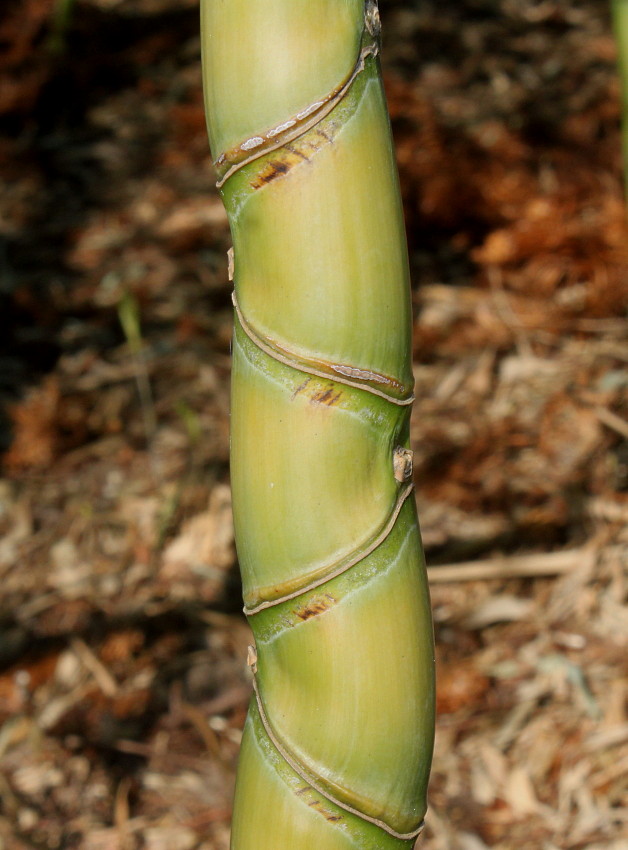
314,782
298,125
338,372
420,829
359,555
402,464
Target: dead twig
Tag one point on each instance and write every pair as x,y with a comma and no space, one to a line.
515,566
103,677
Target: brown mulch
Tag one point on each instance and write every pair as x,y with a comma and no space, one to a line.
123,683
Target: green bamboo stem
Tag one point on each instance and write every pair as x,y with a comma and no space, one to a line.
337,746
620,23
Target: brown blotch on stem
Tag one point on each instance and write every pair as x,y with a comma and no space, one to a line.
327,397
300,388
323,397
317,605
320,132
273,169
294,127
300,152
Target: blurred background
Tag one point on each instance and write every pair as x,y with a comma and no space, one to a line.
123,686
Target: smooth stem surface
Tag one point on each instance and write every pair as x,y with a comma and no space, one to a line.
337,747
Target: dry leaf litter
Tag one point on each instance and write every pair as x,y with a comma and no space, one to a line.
123,687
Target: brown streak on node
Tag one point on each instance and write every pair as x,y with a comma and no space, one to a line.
322,133
300,388
322,397
315,607
297,152
271,171
303,790
333,818
326,397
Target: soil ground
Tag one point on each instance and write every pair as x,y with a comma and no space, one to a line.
123,684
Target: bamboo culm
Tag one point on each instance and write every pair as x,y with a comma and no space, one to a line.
338,741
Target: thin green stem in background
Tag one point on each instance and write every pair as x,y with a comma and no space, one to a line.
61,18
620,23
129,317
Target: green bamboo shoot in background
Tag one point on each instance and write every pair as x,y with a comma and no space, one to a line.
620,24
338,742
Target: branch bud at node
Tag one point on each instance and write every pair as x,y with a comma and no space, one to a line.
251,658
372,19
402,464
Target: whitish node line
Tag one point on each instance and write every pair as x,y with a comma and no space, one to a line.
337,373
358,556
292,128
306,777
